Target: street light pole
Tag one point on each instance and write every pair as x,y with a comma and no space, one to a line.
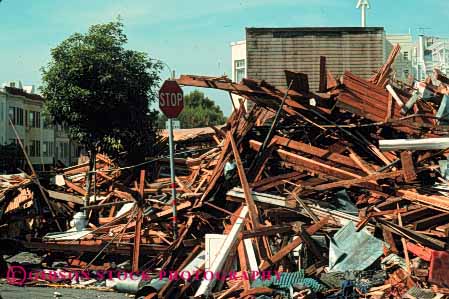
363,5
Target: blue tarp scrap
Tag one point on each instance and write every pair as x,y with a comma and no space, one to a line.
351,250
288,279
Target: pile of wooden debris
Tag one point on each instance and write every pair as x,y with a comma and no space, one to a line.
338,194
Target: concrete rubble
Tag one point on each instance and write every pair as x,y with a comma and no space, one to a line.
341,193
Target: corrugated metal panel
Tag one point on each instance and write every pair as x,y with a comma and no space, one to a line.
272,50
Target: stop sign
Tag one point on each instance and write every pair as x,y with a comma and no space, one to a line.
171,99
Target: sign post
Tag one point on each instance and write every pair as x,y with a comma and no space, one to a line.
171,103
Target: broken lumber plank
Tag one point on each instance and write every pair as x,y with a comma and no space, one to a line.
74,187
404,243
420,251
169,211
395,96
437,201
267,231
280,201
408,166
243,263
274,181
412,235
253,265
253,213
315,151
381,77
348,183
323,75
139,221
311,230
418,213
431,221
309,164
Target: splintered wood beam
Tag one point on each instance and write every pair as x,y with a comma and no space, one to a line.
253,213
360,162
243,263
274,181
245,89
74,187
408,166
309,164
139,220
381,77
315,151
323,75
437,201
311,230
368,178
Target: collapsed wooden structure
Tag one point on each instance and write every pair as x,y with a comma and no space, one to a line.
280,187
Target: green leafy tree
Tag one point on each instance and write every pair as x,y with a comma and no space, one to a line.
199,111
103,91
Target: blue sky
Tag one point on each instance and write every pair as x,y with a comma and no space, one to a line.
191,36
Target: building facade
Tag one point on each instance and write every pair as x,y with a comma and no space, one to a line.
270,51
25,110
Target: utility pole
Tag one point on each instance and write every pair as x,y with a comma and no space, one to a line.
363,5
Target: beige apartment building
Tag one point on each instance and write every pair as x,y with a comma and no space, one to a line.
44,144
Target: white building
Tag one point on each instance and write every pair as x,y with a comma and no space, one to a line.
431,52
419,57
440,55
238,58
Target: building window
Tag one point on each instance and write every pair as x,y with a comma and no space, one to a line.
66,150
16,115
2,108
11,114
35,148
239,70
19,116
61,150
48,149
34,119
406,57
406,73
